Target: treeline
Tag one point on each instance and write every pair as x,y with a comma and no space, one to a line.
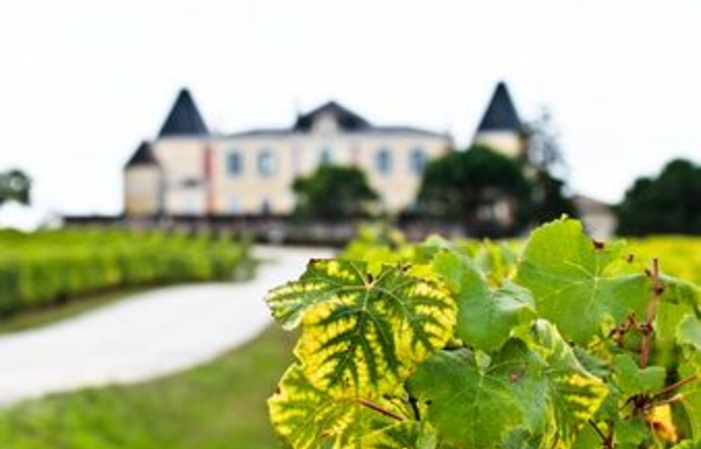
669,203
49,267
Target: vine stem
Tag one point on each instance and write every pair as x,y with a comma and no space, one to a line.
651,311
676,385
378,409
607,441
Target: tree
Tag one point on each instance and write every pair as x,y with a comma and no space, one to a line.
547,170
486,191
333,193
549,200
14,186
668,204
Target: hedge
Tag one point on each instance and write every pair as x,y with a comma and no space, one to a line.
48,267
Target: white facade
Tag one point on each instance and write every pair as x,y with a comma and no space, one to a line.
252,172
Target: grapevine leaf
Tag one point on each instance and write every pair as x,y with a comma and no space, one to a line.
690,395
323,279
587,439
486,317
676,321
363,332
307,417
632,380
575,394
688,444
680,291
497,261
548,393
407,434
631,432
473,407
578,284
667,334
689,332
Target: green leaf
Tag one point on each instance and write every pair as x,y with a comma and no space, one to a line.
631,432
631,380
404,435
486,317
689,332
688,444
307,417
549,396
690,394
578,284
363,332
587,438
471,407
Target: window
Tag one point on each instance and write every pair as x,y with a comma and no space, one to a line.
265,207
326,157
266,163
234,163
383,161
417,161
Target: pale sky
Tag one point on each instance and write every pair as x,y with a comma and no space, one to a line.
83,82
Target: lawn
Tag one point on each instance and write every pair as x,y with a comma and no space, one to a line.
215,406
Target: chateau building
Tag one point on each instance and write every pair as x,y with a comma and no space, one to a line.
188,170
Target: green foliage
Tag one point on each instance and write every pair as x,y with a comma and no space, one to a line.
578,285
53,266
14,186
549,200
333,193
470,186
667,204
570,344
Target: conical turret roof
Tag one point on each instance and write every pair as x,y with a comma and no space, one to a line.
501,114
142,156
184,118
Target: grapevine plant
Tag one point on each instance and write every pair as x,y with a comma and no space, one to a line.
569,343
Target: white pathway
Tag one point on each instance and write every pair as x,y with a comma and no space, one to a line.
149,335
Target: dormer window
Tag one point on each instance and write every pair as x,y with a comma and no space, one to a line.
325,124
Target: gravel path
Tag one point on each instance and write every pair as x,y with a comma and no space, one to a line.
145,336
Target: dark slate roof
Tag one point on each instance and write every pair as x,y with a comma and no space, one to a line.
346,119
142,156
403,130
262,132
501,114
184,118
381,130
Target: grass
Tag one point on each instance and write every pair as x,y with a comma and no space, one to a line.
215,406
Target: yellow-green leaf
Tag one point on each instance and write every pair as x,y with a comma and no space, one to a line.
307,417
363,332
